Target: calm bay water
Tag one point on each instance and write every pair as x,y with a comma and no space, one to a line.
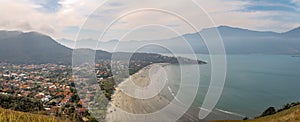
253,83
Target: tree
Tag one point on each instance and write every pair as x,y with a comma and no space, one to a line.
269,111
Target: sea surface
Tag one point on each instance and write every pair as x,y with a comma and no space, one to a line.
253,83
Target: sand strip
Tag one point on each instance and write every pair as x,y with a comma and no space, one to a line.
123,107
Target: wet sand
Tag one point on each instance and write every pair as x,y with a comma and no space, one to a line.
125,108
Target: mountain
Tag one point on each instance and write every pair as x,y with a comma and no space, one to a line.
18,47
66,42
293,33
234,32
35,48
243,41
236,41
86,43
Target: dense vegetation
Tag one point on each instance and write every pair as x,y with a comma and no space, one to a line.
24,104
272,110
107,86
35,111
289,114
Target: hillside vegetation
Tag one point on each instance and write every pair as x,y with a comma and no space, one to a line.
7,115
289,115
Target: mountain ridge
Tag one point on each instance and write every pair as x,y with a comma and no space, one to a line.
236,41
36,48
32,45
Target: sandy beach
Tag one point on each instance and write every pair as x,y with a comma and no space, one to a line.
128,106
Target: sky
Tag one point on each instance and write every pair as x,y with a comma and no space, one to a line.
64,18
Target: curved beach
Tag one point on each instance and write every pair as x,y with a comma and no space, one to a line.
123,106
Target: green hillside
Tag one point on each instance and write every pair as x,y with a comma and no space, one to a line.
289,115
7,115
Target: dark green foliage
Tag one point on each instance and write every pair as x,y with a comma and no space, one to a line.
272,110
269,111
75,98
24,104
107,86
288,106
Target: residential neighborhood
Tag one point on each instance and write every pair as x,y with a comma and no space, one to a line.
55,86
52,84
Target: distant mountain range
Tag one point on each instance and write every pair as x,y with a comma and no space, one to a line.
236,41
32,47
35,48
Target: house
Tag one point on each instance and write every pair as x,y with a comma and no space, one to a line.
46,98
39,95
6,76
80,102
14,75
81,111
63,102
59,94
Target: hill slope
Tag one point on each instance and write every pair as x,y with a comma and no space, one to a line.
18,47
7,115
289,115
35,48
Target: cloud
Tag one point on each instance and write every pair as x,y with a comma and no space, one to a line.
267,15
48,5
26,15
279,16
63,18
271,5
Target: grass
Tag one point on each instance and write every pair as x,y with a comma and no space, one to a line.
7,115
289,115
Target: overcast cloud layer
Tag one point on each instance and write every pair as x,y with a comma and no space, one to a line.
63,18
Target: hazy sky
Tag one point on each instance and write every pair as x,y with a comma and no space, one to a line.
63,18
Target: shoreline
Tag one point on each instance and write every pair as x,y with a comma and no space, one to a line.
121,102
122,105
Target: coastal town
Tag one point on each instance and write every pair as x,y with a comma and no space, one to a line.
52,84
55,87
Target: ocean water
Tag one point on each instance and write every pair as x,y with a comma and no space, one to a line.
253,83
